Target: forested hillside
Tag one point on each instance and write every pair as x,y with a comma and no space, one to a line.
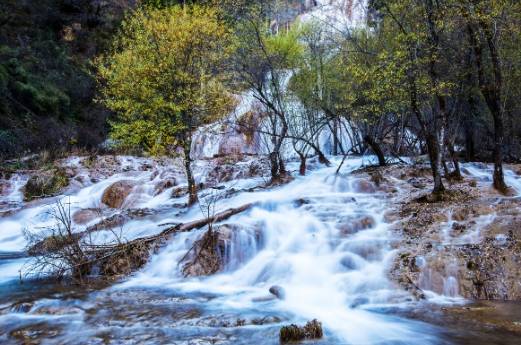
47,88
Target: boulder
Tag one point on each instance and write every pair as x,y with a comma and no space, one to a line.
211,252
205,257
363,186
85,216
417,183
114,196
278,291
46,183
179,191
163,185
351,226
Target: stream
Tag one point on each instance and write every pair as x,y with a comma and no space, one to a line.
321,239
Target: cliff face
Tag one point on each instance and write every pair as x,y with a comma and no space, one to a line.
46,82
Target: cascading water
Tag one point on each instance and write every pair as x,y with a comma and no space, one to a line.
328,272
322,240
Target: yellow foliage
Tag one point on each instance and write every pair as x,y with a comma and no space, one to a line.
164,76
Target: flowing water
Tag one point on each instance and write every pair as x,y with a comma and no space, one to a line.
319,239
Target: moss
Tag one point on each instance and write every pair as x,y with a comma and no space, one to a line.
45,184
291,333
312,330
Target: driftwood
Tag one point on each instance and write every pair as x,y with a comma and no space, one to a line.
123,258
185,227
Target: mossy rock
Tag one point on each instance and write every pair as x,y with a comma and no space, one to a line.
312,330
45,184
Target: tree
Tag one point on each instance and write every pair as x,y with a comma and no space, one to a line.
407,62
164,78
489,25
264,63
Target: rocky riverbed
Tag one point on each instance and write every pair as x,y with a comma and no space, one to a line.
360,251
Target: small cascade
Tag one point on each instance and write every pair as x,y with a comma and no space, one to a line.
450,280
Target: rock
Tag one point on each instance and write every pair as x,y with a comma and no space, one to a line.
458,227
179,191
85,216
460,215
349,227
47,183
206,256
278,291
416,183
312,330
114,196
377,178
222,173
265,320
163,185
212,250
111,222
300,202
5,187
363,186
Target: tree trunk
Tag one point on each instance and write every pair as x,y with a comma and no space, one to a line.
469,143
491,89
274,163
282,167
192,188
499,179
335,137
435,159
376,149
302,167
457,171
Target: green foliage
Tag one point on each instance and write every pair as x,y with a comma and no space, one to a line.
164,76
285,47
42,98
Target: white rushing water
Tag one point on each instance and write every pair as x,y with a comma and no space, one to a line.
328,271
322,238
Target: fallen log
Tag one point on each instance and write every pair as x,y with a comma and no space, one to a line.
123,258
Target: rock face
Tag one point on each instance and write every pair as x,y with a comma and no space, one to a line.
46,183
114,196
